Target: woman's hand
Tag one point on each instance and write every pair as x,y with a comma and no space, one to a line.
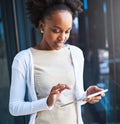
55,93
95,99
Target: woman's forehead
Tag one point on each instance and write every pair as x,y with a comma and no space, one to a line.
60,18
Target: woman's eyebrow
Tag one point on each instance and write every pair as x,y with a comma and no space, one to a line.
55,26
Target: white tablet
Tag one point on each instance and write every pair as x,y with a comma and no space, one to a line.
95,94
89,96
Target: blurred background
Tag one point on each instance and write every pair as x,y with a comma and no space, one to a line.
96,32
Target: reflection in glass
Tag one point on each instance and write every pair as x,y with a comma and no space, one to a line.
5,117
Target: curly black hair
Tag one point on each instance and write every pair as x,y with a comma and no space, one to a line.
39,9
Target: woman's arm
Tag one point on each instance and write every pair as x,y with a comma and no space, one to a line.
17,104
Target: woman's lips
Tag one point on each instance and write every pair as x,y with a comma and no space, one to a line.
59,44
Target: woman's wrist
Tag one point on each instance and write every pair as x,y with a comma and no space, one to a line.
49,104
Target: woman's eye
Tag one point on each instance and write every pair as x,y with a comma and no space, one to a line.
56,31
67,32
60,31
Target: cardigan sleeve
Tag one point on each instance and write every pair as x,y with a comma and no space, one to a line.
17,104
78,63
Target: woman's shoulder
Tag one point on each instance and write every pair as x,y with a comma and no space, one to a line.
75,48
23,54
76,52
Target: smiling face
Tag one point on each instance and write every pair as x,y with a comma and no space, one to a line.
56,30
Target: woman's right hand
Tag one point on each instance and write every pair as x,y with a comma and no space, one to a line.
55,93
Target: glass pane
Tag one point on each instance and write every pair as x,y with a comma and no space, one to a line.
5,117
100,30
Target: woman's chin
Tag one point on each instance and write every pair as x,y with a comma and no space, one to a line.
59,46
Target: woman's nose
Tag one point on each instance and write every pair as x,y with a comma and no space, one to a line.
62,37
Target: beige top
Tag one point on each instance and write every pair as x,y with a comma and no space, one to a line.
50,68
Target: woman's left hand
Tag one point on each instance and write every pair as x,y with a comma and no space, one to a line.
95,99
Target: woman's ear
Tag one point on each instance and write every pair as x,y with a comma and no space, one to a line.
41,27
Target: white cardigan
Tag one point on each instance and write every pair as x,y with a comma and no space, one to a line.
23,78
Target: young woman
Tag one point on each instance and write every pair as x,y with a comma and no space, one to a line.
52,71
